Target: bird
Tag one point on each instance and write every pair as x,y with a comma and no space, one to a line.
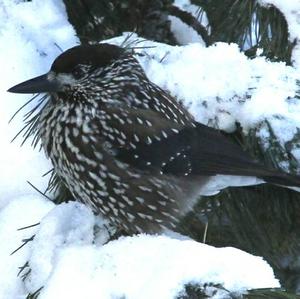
127,148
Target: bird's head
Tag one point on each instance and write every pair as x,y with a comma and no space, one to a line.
82,70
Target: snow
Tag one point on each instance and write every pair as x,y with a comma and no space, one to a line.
228,87
149,267
65,261
27,44
65,225
13,217
219,85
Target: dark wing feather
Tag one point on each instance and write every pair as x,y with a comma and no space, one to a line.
198,150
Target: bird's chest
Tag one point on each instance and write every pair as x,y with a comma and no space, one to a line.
107,159
80,153
66,137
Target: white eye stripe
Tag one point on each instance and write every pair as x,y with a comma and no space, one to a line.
65,79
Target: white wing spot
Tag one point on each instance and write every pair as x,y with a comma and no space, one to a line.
164,134
140,121
140,199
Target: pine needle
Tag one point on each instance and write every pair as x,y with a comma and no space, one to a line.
39,191
25,241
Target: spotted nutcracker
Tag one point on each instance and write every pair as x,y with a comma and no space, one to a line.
124,146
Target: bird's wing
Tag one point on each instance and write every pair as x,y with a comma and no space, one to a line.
143,138
156,144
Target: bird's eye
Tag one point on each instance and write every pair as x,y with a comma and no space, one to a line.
77,72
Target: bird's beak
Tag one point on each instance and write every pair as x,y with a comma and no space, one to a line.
38,84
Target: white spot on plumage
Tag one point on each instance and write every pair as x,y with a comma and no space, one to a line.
121,204
149,124
162,194
103,174
112,199
121,141
86,128
152,207
142,215
132,145
127,200
130,216
149,140
85,139
98,155
106,208
123,135
144,188
113,176
140,121
164,134
111,137
118,191
75,132
140,199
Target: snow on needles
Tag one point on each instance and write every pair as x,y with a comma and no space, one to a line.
183,33
291,11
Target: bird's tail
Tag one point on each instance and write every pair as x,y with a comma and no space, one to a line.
283,179
216,154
